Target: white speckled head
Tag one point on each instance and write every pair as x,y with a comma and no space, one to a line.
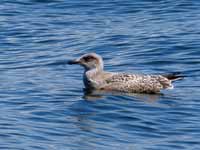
89,61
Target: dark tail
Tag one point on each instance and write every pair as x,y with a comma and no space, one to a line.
174,76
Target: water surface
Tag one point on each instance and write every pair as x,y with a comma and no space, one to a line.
42,100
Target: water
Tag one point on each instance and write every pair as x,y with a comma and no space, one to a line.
42,100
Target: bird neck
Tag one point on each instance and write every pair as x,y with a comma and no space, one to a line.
93,72
90,77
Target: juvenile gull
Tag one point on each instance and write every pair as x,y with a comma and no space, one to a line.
96,78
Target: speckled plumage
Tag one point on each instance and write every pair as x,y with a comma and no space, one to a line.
137,83
96,78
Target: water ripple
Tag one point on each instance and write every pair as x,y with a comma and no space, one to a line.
43,103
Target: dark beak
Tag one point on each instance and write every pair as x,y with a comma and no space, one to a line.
71,62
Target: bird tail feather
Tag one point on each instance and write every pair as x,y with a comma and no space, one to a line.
174,76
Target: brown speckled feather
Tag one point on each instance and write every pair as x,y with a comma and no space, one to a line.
136,83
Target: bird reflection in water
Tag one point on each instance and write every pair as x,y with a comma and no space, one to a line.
92,95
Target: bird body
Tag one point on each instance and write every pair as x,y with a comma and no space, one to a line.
96,78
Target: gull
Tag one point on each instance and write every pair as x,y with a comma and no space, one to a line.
95,78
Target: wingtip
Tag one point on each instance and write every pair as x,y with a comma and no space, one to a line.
174,76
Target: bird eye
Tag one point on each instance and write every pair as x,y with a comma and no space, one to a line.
88,58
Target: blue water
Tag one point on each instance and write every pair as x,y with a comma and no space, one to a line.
42,103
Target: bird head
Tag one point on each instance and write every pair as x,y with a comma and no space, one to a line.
89,61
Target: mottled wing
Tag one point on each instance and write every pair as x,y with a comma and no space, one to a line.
137,83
